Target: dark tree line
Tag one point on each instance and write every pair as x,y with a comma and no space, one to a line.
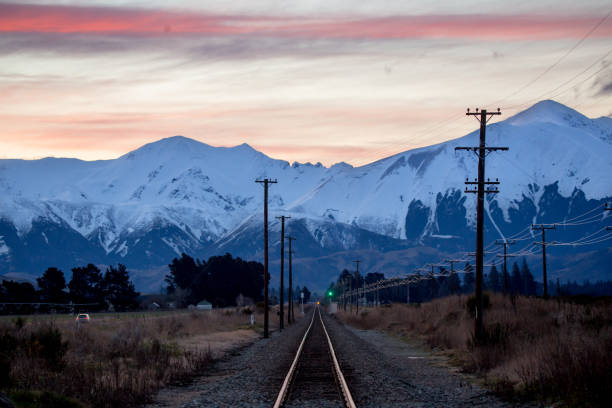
87,286
519,281
275,299
219,280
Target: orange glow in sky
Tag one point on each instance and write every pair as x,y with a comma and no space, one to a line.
311,82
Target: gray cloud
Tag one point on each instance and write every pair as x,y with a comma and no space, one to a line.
606,89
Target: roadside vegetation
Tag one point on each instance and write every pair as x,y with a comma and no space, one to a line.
115,360
553,351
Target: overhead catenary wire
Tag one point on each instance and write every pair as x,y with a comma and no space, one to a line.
440,125
531,249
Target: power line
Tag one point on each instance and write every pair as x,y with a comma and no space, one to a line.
558,61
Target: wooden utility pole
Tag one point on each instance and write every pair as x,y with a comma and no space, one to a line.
290,300
482,149
607,208
350,295
433,278
543,228
282,273
344,294
357,283
408,292
505,243
266,182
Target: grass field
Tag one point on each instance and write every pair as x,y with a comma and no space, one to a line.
554,352
117,359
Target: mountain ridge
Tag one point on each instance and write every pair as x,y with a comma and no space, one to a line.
180,195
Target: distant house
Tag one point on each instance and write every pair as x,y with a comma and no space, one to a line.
204,305
154,306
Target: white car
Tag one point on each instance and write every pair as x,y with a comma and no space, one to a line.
82,318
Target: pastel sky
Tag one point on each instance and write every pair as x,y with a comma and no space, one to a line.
307,80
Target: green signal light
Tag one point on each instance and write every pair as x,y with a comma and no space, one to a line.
330,293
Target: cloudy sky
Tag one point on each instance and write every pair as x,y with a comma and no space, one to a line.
307,80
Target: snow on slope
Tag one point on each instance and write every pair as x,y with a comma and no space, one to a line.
203,190
548,143
208,191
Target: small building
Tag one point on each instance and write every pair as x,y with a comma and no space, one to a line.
153,306
204,305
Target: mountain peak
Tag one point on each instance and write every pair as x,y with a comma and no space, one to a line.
549,111
168,145
244,147
177,140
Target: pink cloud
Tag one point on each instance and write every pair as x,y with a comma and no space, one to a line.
116,20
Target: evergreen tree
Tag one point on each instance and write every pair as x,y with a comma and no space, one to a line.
505,282
16,292
517,282
86,285
442,283
494,279
296,293
51,286
183,272
468,278
454,284
118,289
307,294
529,284
373,277
433,287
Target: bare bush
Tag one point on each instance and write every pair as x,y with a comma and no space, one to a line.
115,360
532,348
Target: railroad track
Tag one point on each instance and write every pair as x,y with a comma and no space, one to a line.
315,373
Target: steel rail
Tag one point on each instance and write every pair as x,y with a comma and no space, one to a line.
283,391
348,398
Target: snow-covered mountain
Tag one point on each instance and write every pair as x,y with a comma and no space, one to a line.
179,195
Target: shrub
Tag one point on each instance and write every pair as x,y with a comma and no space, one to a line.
8,347
34,399
532,348
46,343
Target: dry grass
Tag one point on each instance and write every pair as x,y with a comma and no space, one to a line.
116,359
547,350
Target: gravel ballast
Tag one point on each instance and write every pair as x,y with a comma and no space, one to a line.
250,377
386,372
381,372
